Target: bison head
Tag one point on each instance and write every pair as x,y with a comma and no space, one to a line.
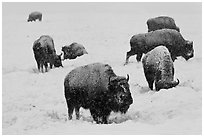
121,96
58,61
67,53
165,85
188,51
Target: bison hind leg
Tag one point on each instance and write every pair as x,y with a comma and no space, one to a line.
70,110
77,112
150,78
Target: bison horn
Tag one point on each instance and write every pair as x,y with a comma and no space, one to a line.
128,77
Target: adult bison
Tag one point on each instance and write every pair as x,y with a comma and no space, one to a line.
158,66
34,16
73,51
172,39
44,53
161,22
97,88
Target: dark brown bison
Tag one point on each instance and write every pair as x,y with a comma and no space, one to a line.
172,39
44,53
34,16
158,66
73,51
161,22
97,88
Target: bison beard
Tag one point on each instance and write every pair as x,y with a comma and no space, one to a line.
97,88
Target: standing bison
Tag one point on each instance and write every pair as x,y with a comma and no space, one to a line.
73,51
158,66
97,88
161,22
44,53
34,16
172,39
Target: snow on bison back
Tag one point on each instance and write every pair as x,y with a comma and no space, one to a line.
158,66
97,88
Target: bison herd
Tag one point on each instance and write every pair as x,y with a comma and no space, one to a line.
96,87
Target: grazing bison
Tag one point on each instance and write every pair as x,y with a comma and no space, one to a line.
161,22
172,39
34,16
74,50
158,66
97,88
44,52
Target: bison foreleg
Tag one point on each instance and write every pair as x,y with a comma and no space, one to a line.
77,112
38,64
70,111
45,64
139,56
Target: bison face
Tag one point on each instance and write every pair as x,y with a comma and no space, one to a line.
58,61
166,84
67,53
122,98
188,51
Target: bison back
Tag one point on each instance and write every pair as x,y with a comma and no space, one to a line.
92,80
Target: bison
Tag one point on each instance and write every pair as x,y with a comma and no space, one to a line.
73,51
161,22
44,52
158,66
97,88
34,16
172,39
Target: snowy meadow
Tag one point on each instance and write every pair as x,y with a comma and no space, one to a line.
34,103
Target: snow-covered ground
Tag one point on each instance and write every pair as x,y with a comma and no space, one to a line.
34,103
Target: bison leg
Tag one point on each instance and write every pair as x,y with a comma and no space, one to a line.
77,112
139,56
158,84
70,110
45,64
150,78
128,55
38,64
41,67
51,65
95,116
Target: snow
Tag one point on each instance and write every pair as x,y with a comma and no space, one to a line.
34,103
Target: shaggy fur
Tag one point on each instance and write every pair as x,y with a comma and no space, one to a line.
44,52
73,51
172,39
34,16
158,66
161,22
97,88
